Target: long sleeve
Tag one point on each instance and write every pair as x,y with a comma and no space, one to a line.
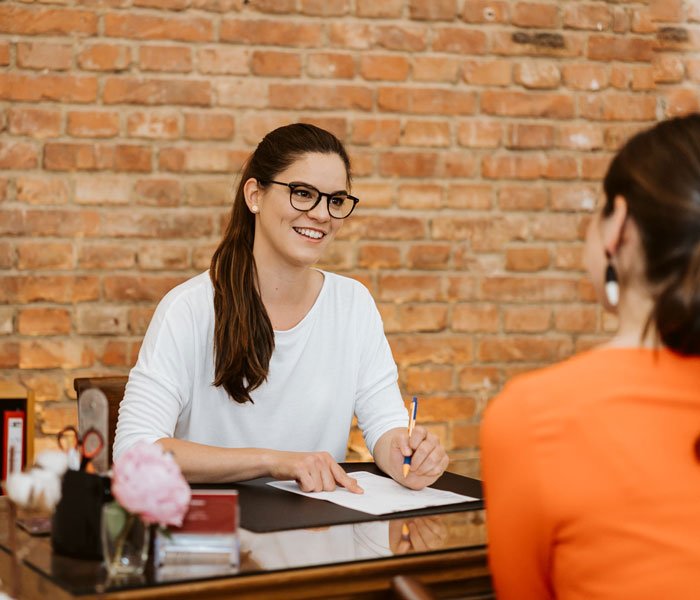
518,531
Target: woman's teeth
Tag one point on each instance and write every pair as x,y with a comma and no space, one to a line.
312,233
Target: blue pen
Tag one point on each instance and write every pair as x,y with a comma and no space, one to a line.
411,423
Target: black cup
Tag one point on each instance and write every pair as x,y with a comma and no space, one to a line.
75,530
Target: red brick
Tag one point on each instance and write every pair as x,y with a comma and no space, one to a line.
529,44
18,155
223,60
43,255
59,289
465,435
153,125
595,167
163,4
426,133
561,167
410,288
206,126
93,124
376,132
485,234
408,164
43,321
426,101
101,320
459,40
106,256
325,8
437,349
580,137
479,378
513,166
276,64
576,319
384,67
529,289
480,134
405,39
569,257
523,349
666,10
146,27
458,164
9,355
271,33
293,96
535,14
428,256
158,224
537,75
432,68
475,318
681,101
7,260
378,256
204,192
393,228
387,9
420,196
515,198
104,57
618,107
415,318
356,36
486,11
31,21
35,122
158,257
49,222
642,78
102,190
668,69
200,159
433,10
175,59
574,197
157,192
56,415
523,135
62,88
129,288
41,55
610,48
527,259
4,53
472,196
594,17
127,90
55,354
521,104
526,319
42,191
425,380
116,354
584,76
331,65
488,72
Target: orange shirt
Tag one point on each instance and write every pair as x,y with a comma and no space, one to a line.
592,485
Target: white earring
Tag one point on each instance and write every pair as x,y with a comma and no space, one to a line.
612,287
255,209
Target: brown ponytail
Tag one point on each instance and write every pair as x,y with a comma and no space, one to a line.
658,174
243,335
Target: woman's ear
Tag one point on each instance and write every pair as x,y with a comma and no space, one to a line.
253,195
614,225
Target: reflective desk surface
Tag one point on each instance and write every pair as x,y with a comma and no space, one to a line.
446,552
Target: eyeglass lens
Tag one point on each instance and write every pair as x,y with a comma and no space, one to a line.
305,197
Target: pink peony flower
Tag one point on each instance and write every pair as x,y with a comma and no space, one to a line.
148,482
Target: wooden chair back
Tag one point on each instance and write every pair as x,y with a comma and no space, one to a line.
113,388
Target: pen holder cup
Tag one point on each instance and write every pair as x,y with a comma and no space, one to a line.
75,530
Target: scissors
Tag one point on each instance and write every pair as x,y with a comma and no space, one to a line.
80,449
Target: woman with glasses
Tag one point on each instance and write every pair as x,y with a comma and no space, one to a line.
257,367
592,466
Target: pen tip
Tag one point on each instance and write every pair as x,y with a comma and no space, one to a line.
406,469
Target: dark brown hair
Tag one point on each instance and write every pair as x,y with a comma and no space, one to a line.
243,335
658,174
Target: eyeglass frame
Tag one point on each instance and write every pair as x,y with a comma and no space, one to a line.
294,184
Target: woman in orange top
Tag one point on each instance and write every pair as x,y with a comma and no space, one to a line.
592,466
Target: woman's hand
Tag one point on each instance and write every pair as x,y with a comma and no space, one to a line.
428,458
313,471
416,535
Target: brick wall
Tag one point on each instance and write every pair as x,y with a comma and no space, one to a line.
479,132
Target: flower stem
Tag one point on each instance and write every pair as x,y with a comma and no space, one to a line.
121,539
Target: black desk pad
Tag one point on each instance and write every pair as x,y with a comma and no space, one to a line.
264,508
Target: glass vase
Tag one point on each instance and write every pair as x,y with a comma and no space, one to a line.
125,539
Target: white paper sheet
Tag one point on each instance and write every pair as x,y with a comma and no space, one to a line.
382,495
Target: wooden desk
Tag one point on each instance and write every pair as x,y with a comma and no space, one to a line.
454,566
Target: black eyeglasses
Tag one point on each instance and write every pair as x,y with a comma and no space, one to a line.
305,197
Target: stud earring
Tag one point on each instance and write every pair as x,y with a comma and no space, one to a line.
255,209
612,287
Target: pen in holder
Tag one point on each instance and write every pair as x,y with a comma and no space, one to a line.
75,530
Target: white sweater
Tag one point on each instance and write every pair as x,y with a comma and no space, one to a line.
333,363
